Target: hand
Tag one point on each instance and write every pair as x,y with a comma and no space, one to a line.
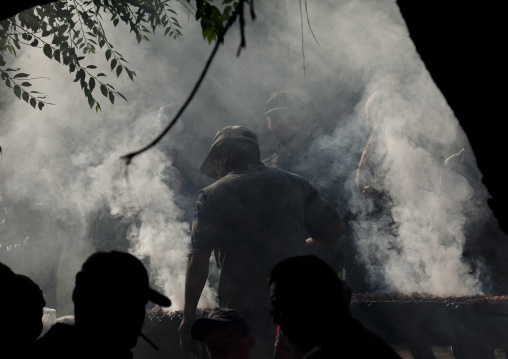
317,248
184,332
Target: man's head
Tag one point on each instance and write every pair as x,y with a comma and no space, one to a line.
232,147
24,301
307,298
288,116
110,295
226,334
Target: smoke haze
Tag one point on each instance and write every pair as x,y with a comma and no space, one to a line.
61,170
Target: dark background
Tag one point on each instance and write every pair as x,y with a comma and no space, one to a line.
461,46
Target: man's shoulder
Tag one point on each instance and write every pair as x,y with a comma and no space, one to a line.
258,173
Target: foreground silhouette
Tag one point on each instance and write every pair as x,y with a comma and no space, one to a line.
22,303
311,305
110,295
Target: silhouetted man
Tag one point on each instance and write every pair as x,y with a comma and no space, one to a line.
225,333
252,217
22,304
311,305
110,295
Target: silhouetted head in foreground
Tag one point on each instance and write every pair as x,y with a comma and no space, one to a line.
111,291
110,295
311,305
22,304
226,334
307,297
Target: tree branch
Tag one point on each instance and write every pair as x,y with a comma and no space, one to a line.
129,157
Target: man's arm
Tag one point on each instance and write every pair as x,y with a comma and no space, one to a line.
320,247
195,279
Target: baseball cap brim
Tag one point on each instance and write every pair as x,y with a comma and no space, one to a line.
275,109
157,298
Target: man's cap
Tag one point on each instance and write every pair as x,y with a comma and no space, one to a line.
285,99
217,318
227,133
115,275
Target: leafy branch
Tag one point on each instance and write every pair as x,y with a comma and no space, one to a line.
238,12
63,29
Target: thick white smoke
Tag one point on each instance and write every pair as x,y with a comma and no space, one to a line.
61,167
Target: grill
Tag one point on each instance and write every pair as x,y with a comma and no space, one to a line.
475,327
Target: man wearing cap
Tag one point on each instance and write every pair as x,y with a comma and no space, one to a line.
109,297
225,333
252,217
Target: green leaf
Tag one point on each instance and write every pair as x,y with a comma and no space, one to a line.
40,105
97,107
101,43
113,64
91,100
26,84
17,91
104,90
91,83
129,72
33,102
81,74
119,70
8,83
100,74
72,67
91,67
35,43
108,54
122,96
56,55
115,22
47,51
21,75
111,97
56,40
25,96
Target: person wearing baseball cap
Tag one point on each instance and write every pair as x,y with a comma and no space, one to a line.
225,333
251,217
110,294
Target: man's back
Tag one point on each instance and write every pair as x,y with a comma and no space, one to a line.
260,216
